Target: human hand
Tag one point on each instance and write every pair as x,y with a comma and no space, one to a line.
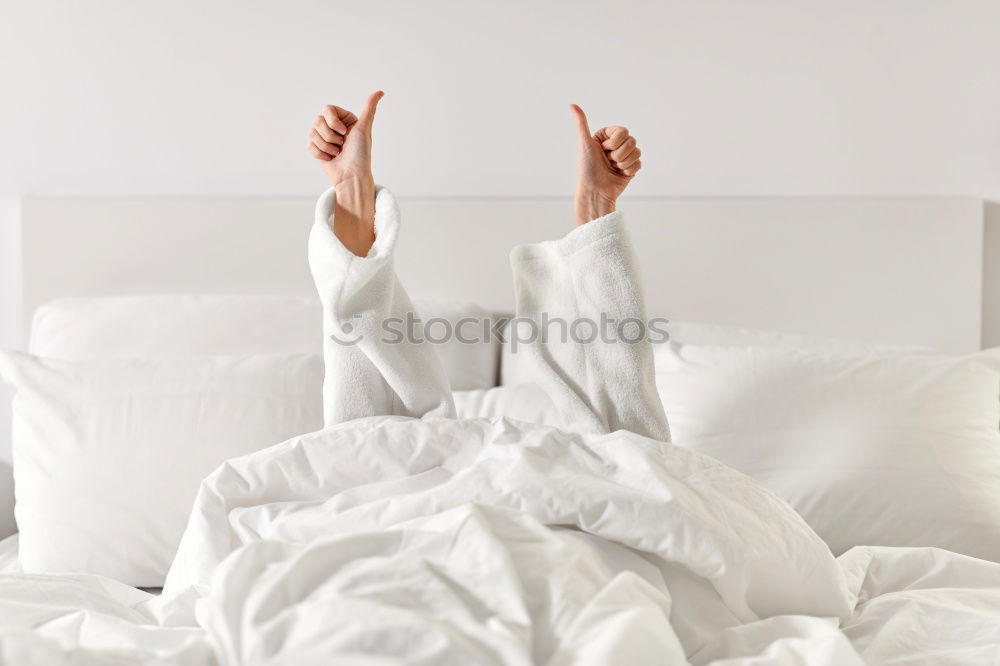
342,142
609,160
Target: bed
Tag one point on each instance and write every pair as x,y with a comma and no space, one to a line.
740,543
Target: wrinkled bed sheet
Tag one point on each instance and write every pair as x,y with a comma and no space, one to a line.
435,541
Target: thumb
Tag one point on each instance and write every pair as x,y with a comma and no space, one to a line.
368,115
583,129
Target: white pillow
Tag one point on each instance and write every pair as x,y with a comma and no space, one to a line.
468,365
188,325
514,371
692,333
108,455
175,326
871,449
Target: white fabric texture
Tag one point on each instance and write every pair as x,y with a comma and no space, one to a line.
449,325
300,604
108,455
871,449
587,277
520,402
751,553
923,606
514,369
358,295
694,333
393,539
169,326
9,563
183,326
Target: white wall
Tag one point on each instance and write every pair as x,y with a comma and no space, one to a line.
728,96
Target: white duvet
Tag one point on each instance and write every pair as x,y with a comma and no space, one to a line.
401,541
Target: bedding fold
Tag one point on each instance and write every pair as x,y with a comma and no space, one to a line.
382,476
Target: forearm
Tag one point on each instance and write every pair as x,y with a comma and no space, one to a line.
589,205
369,373
354,214
598,367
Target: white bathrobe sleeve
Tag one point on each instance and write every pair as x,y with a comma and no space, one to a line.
370,371
590,275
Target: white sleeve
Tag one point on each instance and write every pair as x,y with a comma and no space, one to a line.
370,371
588,281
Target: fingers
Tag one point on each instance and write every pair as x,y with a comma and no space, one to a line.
620,153
632,169
611,138
621,149
582,127
628,163
317,140
338,119
331,127
621,165
368,115
327,132
317,153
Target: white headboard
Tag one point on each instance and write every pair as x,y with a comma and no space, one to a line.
907,270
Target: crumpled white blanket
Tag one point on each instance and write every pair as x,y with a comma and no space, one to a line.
457,505
405,541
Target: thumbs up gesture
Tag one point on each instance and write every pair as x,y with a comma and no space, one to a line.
342,142
609,160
